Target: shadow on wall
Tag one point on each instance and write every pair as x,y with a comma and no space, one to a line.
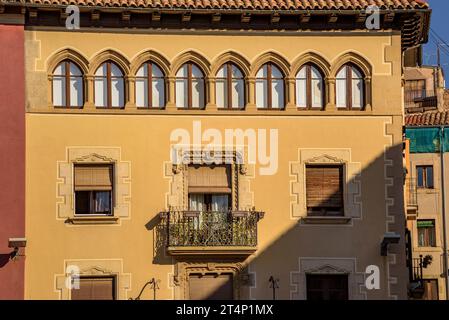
360,239
4,259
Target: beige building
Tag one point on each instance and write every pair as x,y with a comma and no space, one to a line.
305,124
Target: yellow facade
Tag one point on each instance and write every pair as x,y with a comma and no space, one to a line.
368,142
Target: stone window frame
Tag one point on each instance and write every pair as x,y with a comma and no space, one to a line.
351,188
65,189
330,266
182,270
93,268
242,174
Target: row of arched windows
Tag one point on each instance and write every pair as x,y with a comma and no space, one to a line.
190,87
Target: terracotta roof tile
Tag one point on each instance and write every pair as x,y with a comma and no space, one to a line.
430,118
242,4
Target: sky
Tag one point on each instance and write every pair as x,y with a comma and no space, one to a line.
439,23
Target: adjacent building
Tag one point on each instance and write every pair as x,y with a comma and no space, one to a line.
12,152
215,149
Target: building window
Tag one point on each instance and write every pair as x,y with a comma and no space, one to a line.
67,85
150,86
190,87
93,189
211,286
109,86
327,287
309,88
350,88
230,87
95,288
324,190
210,188
425,177
269,87
430,289
415,89
426,233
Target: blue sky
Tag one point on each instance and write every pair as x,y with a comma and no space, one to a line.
440,25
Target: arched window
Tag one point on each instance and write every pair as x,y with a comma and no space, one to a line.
269,87
350,88
309,88
109,86
230,87
190,87
150,86
67,85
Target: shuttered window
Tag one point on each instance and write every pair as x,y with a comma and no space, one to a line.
98,288
210,287
209,179
327,287
93,189
324,190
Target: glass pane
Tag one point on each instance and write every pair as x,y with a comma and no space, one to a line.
301,93
275,72
74,70
196,202
315,73
277,91
220,203
100,92
341,93
356,74
141,93
429,177
76,92
263,72
158,93
181,93
357,93
156,71
60,69
236,73
82,202
261,93
142,72
222,73
117,92
238,93
221,93
115,71
59,91
317,93
196,72
102,202
420,176
101,71
302,73
197,93
182,72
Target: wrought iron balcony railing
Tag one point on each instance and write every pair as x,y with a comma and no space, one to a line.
211,228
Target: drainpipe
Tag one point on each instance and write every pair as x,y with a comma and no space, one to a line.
443,206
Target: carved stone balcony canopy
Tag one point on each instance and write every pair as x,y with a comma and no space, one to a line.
232,233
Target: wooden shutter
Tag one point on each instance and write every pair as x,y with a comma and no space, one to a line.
209,179
211,287
324,187
93,177
102,288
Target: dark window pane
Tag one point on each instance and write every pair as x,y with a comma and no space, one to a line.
327,287
420,174
82,202
429,177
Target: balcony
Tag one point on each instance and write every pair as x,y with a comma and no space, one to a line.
411,196
232,233
420,100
